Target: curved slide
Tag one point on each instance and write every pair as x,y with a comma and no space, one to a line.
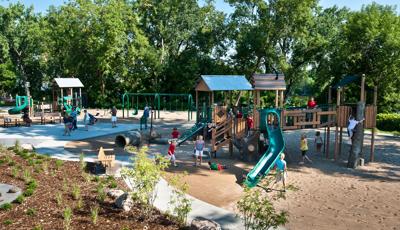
19,107
267,161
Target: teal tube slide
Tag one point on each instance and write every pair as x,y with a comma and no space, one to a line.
191,132
18,105
276,147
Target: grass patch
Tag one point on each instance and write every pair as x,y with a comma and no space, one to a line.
31,212
7,222
20,199
6,207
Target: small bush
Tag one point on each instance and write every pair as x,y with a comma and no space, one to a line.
94,213
59,199
28,192
32,184
113,184
6,207
7,222
179,203
67,214
20,199
82,162
76,192
31,212
388,121
59,164
14,172
27,176
101,194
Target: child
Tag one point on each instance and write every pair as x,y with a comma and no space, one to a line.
175,133
352,124
318,141
171,152
304,149
86,120
114,117
216,166
281,171
250,124
198,149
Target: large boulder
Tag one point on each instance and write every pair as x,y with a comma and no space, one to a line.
114,193
28,147
201,223
124,202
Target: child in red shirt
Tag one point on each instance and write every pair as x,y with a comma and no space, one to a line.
175,133
171,152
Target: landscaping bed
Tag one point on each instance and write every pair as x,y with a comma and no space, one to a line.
52,186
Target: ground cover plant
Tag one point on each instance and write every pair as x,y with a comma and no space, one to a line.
63,198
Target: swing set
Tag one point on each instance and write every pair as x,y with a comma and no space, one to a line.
158,101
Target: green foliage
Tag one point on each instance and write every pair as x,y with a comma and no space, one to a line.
59,199
76,192
7,222
144,176
94,213
59,164
32,184
388,122
258,212
20,199
179,203
27,176
82,162
101,193
67,214
28,192
6,207
31,212
14,172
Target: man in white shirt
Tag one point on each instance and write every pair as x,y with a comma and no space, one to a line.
352,124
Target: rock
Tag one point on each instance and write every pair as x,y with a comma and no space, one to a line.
28,147
13,190
124,202
114,193
204,224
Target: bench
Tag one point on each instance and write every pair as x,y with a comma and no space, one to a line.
11,121
50,118
107,161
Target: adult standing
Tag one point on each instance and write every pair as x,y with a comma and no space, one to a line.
146,115
114,117
198,149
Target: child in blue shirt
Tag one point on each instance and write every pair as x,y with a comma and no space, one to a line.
281,171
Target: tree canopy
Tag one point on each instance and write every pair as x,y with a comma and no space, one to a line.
115,46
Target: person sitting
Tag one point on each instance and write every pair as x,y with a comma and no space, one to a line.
27,120
311,104
216,166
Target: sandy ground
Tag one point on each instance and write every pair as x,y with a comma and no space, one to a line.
329,195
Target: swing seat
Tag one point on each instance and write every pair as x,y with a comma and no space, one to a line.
135,111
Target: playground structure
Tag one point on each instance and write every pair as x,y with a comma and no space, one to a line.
158,102
221,124
67,97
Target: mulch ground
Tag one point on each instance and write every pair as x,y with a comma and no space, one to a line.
55,179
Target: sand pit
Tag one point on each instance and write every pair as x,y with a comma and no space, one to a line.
329,195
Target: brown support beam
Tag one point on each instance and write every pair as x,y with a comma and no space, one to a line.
281,97
276,98
336,149
327,141
372,153
362,96
340,140
197,106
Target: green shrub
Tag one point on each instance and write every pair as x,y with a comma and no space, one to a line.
76,192
7,222
94,213
20,199
32,184
67,214
59,163
388,121
180,204
27,175
6,207
14,172
145,175
101,193
31,212
28,192
258,212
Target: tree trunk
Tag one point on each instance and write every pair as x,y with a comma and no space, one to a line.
358,138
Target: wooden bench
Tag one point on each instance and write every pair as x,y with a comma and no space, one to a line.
9,121
50,118
107,161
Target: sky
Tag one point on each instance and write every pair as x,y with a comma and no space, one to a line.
42,5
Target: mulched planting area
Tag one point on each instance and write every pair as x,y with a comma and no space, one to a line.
49,187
